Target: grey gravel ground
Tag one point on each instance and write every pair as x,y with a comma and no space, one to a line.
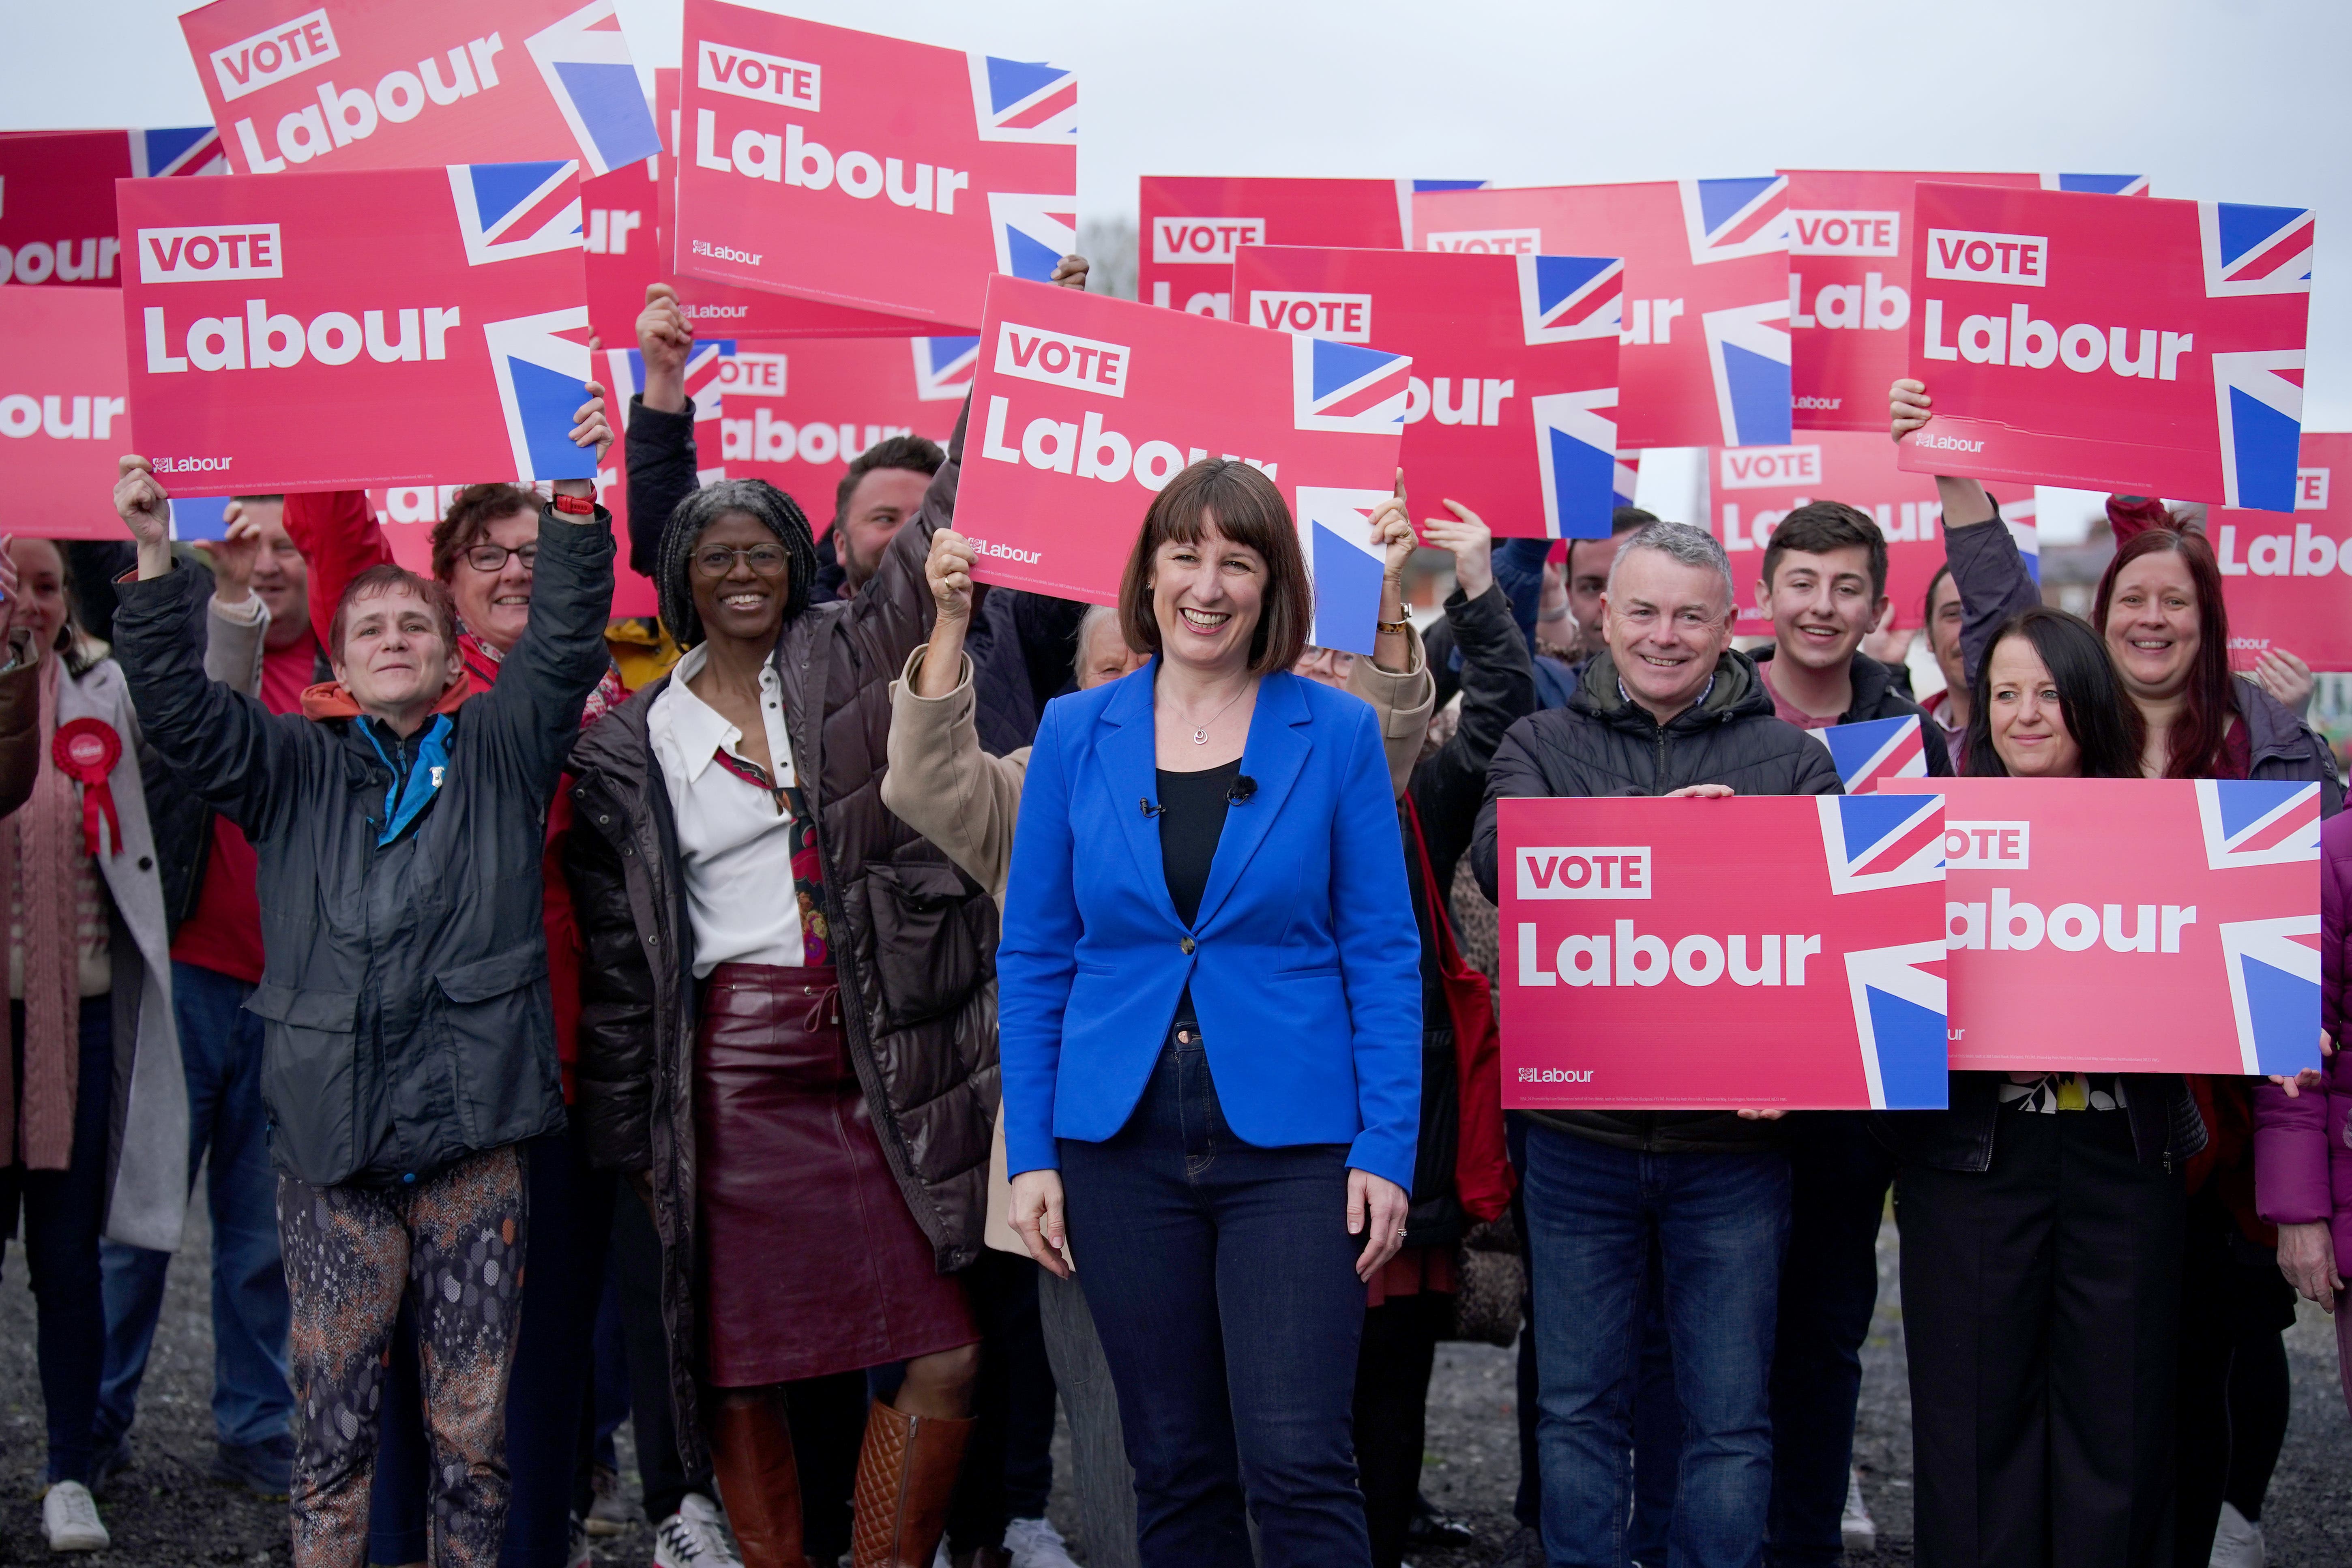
165,1512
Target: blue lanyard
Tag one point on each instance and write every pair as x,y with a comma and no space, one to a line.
410,792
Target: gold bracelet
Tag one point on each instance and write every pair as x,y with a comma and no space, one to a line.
1399,627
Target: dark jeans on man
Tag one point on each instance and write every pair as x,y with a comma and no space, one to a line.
1721,1223
1657,1427
2040,1300
220,1055
1829,1288
63,1211
1222,1279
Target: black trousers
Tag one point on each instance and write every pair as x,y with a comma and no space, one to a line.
1391,1414
2041,1302
2232,1380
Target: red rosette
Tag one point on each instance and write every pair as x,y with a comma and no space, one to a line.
85,751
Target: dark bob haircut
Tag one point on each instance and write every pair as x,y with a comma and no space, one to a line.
755,499
1241,504
2100,717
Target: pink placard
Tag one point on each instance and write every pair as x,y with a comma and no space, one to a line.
383,84
56,224
389,326
1512,408
868,173
1084,408
798,413
1192,228
2107,925
64,410
1705,321
2287,577
1770,951
2139,344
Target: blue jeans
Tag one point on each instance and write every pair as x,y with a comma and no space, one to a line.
1222,1279
1719,1223
62,1213
220,1055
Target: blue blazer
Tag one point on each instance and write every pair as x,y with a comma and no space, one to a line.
1305,962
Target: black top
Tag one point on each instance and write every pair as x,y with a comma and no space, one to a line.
1192,819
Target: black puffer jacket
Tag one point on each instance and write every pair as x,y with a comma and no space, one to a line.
913,939
404,993
1602,743
1879,695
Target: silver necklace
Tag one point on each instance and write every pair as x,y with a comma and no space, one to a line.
1201,735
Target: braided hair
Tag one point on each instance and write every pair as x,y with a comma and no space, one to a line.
673,569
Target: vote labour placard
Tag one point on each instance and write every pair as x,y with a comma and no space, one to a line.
1849,241
1765,951
1084,408
384,84
63,410
1755,486
2287,578
1193,227
57,222
315,331
1522,429
2105,925
860,171
2146,345
1705,319
797,413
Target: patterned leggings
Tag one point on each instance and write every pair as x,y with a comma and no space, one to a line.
454,1241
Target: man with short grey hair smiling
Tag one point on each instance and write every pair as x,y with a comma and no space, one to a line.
1668,707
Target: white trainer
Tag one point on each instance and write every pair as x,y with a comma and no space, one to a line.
1036,1543
70,1516
1856,1527
2238,1543
694,1537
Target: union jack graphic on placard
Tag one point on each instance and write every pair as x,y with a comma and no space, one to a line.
1901,1016
2258,822
1023,101
1566,299
2098,184
2256,249
1032,233
182,150
1729,218
585,61
1875,841
1335,534
1347,388
510,210
704,367
944,367
1751,359
1873,750
1624,476
540,363
2258,398
2273,968
1576,452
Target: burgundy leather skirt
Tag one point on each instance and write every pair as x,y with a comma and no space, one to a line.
811,1262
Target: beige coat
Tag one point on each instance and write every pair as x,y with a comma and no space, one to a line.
941,784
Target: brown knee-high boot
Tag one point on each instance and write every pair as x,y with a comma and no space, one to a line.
905,1475
751,1452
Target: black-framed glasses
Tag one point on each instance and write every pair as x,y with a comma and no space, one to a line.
488,559
765,560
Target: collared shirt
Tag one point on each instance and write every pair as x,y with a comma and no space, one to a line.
734,839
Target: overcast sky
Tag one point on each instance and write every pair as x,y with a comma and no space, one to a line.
2236,100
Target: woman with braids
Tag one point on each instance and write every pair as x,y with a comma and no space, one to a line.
786,1035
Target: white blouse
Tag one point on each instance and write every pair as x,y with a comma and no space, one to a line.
734,839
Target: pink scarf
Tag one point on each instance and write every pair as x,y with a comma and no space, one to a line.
40,850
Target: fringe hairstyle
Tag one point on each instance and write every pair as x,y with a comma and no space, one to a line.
757,499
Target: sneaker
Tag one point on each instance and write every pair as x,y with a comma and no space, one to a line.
1036,1543
70,1516
2238,1543
695,1537
576,1554
1859,1532
265,1469
1428,1528
611,1513
111,1458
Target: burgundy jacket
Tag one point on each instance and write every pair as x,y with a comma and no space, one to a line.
2303,1147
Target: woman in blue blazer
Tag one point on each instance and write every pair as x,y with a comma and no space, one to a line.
1211,1031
